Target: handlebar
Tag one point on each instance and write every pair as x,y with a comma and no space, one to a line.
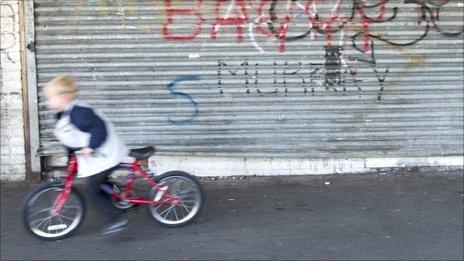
41,152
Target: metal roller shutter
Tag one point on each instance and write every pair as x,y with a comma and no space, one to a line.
263,78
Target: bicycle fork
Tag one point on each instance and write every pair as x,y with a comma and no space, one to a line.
61,199
64,194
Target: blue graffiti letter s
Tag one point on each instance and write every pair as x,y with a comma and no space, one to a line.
172,88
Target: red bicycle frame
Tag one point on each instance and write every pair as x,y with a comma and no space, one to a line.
135,169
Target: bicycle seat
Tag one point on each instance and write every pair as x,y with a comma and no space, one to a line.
142,153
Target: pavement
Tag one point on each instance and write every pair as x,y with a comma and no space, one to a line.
393,216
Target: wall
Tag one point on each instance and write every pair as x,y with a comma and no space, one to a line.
264,86
12,122
318,85
263,78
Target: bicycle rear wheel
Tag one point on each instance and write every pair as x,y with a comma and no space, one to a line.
38,217
186,187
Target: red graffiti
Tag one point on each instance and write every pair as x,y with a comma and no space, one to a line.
281,34
237,20
328,24
314,21
366,21
262,19
284,25
283,30
182,11
275,18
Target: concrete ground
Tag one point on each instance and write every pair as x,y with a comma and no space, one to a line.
371,216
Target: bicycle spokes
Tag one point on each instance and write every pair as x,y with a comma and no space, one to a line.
184,197
50,213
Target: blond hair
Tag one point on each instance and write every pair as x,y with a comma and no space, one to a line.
62,85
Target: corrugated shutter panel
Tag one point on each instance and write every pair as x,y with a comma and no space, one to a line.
380,79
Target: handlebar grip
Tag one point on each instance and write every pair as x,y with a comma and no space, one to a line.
79,152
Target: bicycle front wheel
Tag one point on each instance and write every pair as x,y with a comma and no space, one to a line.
38,216
188,189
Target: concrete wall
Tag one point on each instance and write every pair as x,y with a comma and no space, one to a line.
217,166
12,121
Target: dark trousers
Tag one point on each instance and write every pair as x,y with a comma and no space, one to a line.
98,199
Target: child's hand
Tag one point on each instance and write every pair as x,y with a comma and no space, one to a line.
87,151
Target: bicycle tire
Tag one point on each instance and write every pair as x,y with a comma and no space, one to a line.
198,199
66,230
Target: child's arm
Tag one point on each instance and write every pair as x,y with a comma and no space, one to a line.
86,120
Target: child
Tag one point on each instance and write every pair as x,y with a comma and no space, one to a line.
80,127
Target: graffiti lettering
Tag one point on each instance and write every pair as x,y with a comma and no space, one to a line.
335,74
181,11
172,89
284,26
348,30
294,20
371,61
277,21
287,76
381,79
239,20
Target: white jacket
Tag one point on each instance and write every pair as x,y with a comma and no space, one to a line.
109,154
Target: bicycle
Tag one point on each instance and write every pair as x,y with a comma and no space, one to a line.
55,210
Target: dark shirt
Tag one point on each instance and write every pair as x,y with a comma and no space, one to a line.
87,121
